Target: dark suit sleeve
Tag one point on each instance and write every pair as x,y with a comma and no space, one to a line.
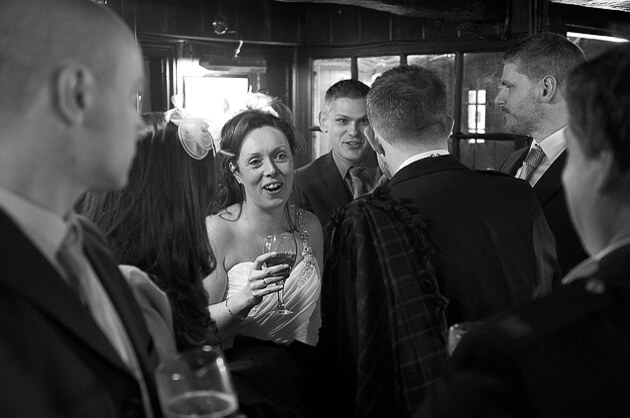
547,270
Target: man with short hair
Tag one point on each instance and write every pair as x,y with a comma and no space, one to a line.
349,169
565,355
533,103
437,230
493,247
74,342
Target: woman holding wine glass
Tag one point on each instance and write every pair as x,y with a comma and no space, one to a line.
256,200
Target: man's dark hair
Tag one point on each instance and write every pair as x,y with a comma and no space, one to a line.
406,100
598,97
545,54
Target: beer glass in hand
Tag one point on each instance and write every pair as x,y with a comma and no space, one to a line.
196,383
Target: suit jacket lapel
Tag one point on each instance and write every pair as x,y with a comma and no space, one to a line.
25,271
514,162
339,193
550,183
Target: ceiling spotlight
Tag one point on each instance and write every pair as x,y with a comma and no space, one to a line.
220,24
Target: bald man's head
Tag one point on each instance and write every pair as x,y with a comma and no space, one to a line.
70,72
39,36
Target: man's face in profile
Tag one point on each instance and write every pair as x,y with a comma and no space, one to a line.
583,200
518,101
115,122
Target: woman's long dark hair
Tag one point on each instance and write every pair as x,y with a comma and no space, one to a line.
233,135
157,223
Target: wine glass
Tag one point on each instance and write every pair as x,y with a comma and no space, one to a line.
286,247
196,383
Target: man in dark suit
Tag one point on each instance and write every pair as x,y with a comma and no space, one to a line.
566,355
74,342
533,103
327,183
493,247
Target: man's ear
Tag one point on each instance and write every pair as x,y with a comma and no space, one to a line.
373,140
609,176
448,122
75,92
549,88
322,122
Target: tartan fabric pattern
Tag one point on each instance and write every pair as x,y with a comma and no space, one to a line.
380,245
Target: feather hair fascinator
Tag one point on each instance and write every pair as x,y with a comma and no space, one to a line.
192,132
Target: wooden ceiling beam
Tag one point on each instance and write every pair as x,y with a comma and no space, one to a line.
448,10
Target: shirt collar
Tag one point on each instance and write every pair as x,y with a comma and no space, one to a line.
343,165
422,156
591,264
553,145
44,228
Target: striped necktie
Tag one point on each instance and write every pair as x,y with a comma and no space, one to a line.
533,159
359,178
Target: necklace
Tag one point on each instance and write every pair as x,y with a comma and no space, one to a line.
250,225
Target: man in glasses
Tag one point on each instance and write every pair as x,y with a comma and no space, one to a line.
74,342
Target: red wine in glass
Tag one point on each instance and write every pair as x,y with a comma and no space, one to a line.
282,258
286,247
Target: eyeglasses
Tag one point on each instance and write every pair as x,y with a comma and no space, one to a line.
193,134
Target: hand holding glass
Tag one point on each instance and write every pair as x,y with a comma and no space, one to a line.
457,331
286,247
196,383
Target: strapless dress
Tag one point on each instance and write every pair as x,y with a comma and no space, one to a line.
301,295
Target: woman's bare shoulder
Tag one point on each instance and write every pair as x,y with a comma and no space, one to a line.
222,225
312,222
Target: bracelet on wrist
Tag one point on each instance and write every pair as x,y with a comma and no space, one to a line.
239,317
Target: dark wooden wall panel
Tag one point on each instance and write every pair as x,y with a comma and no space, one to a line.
346,25
408,29
286,21
316,25
375,26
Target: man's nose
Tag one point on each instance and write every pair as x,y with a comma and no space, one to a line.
353,129
500,99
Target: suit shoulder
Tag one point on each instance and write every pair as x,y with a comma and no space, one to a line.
313,166
493,173
547,316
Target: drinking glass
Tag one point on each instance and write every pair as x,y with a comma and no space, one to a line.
286,247
196,383
457,331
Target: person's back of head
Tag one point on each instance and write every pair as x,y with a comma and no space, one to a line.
596,175
157,222
546,54
598,96
407,108
346,89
